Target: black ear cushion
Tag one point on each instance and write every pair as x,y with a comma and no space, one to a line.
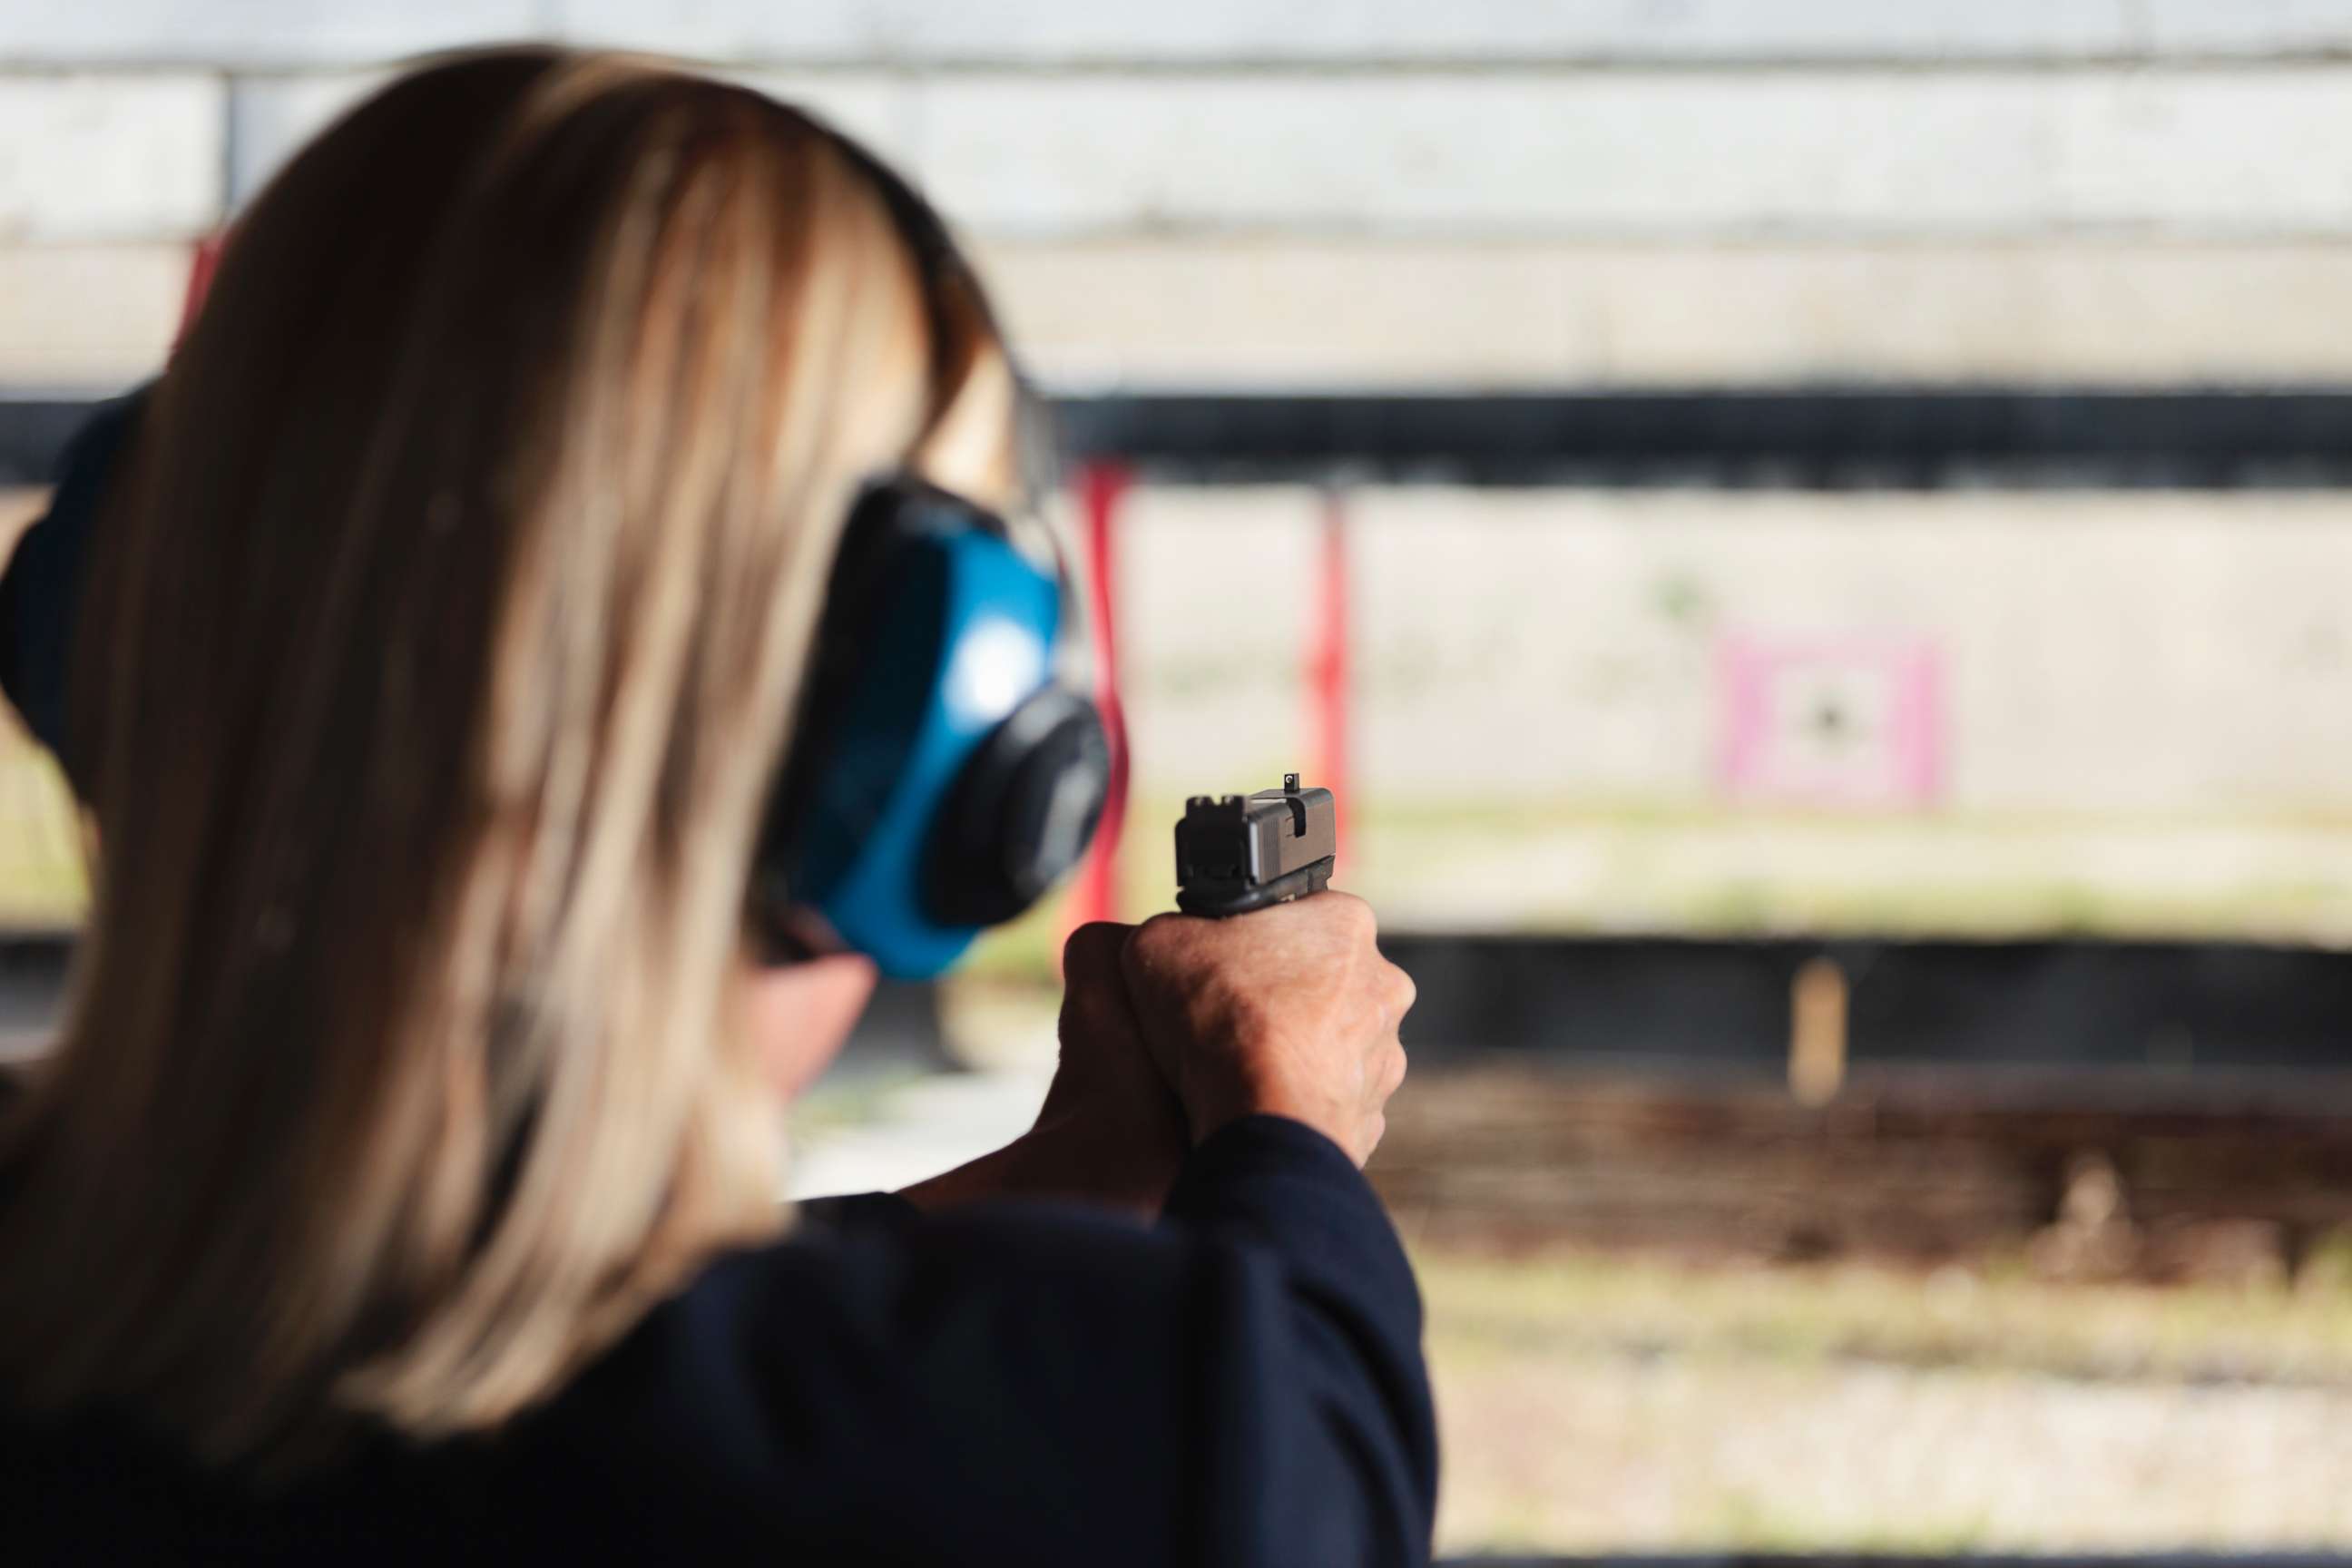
1022,811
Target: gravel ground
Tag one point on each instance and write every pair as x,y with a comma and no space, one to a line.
1592,1405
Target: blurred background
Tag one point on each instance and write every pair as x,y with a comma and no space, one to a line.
1813,539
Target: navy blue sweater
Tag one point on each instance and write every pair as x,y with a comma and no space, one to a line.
1015,1384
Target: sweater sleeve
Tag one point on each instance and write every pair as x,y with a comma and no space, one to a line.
1305,1266
1240,1385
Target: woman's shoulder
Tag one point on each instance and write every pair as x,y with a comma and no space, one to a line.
847,1260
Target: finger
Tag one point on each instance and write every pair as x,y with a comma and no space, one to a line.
1400,992
1148,963
1091,955
1093,984
1095,1006
1393,1068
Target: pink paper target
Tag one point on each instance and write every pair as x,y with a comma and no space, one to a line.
1853,722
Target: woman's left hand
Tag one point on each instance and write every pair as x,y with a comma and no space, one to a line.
1112,1131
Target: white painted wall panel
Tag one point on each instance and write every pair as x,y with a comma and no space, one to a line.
244,34
250,32
1279,312
1593,155
86,157
1209,32
1623,154
87,317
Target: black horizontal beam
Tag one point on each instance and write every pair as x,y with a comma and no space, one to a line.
1799,438
1807,438
2185,1008
2189,1009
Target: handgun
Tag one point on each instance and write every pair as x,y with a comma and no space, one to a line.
1241,853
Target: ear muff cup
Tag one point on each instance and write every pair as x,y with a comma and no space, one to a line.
942,777
1022,811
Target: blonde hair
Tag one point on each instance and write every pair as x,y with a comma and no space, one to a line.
436,668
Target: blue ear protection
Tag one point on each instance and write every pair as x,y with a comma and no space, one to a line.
942,778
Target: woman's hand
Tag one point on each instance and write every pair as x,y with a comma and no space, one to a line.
1111,1115
1111,1131
1289,1010
1173,1028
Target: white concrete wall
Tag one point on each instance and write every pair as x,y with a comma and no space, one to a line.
1481,157
104,157
279,33
1495,191
1281,311
2139,651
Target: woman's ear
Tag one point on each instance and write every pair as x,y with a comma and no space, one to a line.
799,1015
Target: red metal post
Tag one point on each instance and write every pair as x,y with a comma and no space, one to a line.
202,264
1101,488
1330,678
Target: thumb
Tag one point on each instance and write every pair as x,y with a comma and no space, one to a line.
1090,958
1094,986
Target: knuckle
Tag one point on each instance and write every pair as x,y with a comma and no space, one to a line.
1155,934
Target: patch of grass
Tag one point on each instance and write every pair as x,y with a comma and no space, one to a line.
1762,1523
42,880
835,1104
1484,1308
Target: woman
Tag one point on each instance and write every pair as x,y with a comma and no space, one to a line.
405,1181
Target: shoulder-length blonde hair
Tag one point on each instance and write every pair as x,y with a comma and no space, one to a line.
436,667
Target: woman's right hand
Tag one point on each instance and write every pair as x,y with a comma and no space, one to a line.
1289,1011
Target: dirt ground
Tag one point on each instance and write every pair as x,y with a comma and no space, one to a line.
1593,1401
